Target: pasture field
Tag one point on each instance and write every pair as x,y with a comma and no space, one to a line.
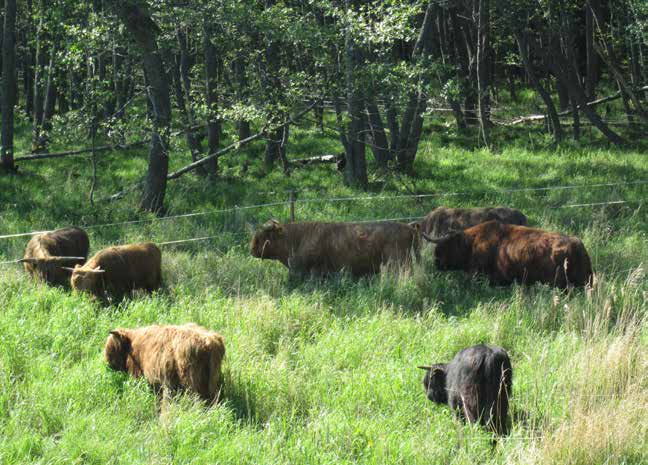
324,372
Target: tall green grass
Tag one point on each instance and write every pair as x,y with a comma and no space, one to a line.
325,371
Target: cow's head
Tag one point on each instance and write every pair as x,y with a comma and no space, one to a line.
434,383
452,251
85,278
118,346
269,241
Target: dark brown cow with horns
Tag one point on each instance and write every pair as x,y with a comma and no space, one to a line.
443,220
508,253
320,248
47,255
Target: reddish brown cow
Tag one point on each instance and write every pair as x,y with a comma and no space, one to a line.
508,253
171,358
320,248
120,270
47,255
443,220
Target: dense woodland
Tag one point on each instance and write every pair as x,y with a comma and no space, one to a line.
367,73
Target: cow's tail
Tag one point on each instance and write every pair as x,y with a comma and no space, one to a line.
499,368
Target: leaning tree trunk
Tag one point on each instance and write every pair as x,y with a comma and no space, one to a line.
8,84
379,144
144,31
592,10
535,82
569,71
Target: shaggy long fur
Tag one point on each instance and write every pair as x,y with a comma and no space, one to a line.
42,254
119,270
443,220
321,248
508,253
476,384
172,358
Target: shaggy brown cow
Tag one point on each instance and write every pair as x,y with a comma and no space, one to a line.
48,254
171,358
321,248
120,270
508,253
443,220
476,384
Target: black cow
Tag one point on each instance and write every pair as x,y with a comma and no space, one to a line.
476,384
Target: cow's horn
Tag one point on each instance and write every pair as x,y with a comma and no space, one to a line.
96,270
425,367
434,240
67,268
29,260
65,259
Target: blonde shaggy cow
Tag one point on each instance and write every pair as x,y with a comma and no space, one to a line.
171,358
119,270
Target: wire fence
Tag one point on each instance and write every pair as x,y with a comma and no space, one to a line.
294,201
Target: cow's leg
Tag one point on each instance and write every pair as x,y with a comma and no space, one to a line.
298,268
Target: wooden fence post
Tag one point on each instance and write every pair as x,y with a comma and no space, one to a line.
293,198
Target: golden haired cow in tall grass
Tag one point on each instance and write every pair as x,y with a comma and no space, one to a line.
321,248
171,358
117,271
48,255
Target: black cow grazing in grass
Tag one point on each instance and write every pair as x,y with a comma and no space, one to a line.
476,384
508,253
443,220
47,254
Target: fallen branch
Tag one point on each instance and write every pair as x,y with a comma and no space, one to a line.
223,151
316,160
593,103
103,148
236,145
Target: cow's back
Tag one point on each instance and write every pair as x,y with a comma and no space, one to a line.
479,382
443,220
358,247
517,253
129,267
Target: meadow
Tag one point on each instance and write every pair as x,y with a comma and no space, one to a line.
324,372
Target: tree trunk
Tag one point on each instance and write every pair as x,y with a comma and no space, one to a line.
144,31
28,64
482,70
38,99
355,171
379,144
412,121
8,84
535,82
211,96
243,126
592,9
